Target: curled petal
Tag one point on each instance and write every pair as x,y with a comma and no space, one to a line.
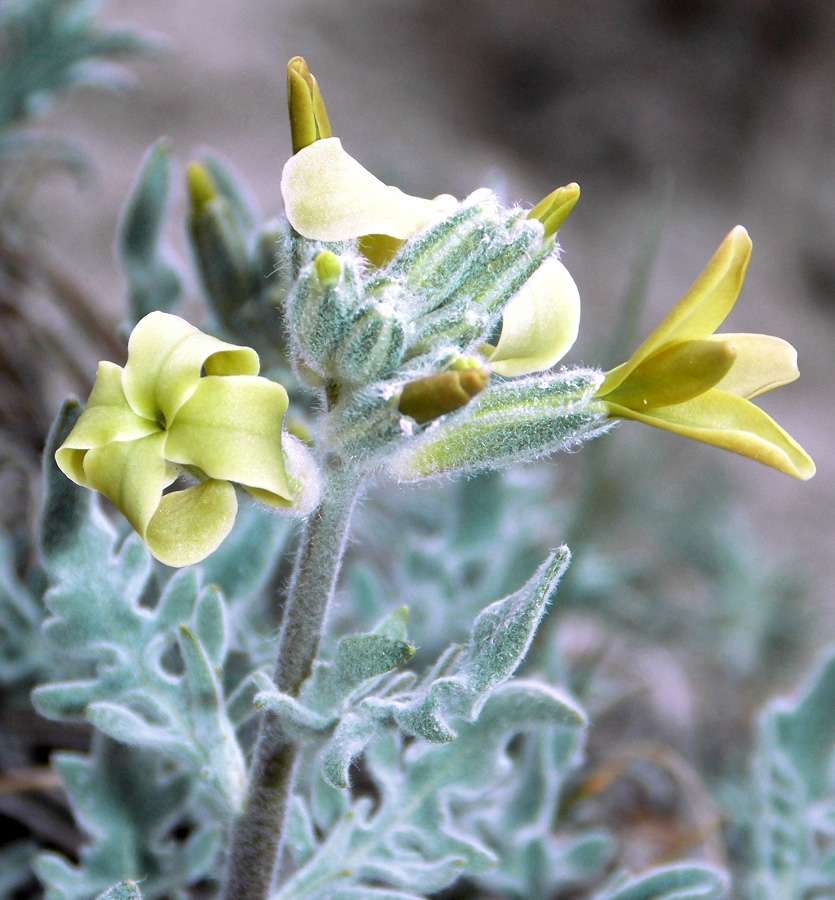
132,475
230,428
108,417
166,356
540,323
762,363
191,524
329,196
702,309
732,423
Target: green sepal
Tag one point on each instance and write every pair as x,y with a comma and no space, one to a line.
436,262
372,347
512,421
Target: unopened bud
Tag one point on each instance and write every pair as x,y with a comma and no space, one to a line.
308,116
201,188
436,395
328,268
554,209
223,261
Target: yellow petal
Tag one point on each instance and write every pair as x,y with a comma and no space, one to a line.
732,423
108,417
165,358
762,363
191,524
329,196
132,475
540,323
230,428
674,375
702,309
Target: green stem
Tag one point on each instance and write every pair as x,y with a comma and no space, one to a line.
257,835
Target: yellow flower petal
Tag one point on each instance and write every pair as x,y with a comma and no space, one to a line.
702,309
762,363
230,428
674,375
108,417
732,423
191,524
165,358
132,475
540,323
329,196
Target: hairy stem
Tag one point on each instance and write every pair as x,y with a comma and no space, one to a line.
257,835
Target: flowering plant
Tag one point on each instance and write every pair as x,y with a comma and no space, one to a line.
403,339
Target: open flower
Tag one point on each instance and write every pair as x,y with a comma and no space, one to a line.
686,379
185,403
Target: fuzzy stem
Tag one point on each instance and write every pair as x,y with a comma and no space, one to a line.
257,835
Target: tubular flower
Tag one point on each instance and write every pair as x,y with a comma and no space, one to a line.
686,379
329,196
185,403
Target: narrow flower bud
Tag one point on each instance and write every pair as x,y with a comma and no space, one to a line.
308,116
554,209
328,269
436,395
223,261
201,188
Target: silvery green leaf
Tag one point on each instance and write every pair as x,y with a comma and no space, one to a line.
242,568
210,626
421,836
503,632
300,835
794,797
16,866
364,656
49,46
22,654
462,680
129,804
350,738
685,881
542,856
148,678
126,890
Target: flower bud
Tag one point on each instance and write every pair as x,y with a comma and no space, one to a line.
554,209
373,347
321,310
436,395
308,116
220,248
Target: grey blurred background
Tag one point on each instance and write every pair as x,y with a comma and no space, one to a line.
705,112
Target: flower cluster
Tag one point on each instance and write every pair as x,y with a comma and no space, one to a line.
401,310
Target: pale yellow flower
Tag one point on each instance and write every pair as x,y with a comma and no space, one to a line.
185,402
686,379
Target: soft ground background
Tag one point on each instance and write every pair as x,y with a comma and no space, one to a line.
712,112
